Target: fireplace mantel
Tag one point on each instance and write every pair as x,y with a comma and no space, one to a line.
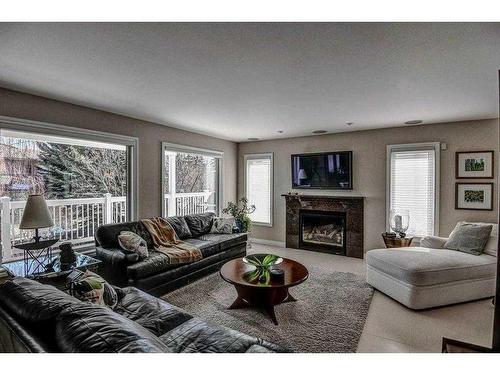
352,206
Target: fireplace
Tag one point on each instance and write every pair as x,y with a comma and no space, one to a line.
330,224
322,231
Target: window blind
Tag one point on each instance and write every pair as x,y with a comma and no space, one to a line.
259,187
413,184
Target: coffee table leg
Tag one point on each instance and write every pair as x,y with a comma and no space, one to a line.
270,311
238,303
289,298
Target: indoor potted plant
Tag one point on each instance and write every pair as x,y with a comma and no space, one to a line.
240,211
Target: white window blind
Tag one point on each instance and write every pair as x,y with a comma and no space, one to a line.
413,176
258,189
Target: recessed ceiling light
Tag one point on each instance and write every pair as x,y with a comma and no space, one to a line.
253,139
319,132
349,123
280,131
413,122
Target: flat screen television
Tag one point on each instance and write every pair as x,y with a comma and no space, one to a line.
327,170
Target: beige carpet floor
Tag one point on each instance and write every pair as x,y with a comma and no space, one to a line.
328,316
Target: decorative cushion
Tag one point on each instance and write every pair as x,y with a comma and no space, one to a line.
222,225
94,329
131,241
200,224
33,301
469,238
180,226
93,288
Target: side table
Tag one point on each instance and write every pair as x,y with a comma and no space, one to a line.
394,242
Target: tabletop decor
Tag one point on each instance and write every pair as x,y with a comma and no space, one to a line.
474,196
474,164
400,221
262,263
37,254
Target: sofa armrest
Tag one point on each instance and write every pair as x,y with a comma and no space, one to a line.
114,264
433,242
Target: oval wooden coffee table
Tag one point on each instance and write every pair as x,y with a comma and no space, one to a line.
263,295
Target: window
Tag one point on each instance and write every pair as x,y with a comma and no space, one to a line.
86,178
259,187
192,180
413,184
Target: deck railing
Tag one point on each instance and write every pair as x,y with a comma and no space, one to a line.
180,204
75,220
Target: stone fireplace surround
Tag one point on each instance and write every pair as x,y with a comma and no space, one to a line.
353,207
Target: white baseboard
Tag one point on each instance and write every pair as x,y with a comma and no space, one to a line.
267,242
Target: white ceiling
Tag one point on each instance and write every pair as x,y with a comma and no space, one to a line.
241,80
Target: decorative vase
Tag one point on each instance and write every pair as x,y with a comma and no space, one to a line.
400,221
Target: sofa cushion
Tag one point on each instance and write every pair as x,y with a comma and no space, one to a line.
225,241
422,266
154,314
180,226
469,237
197,336
94,329
200,224
33,301
107,235
207,248
158,262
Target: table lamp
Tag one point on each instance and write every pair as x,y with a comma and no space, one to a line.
36,215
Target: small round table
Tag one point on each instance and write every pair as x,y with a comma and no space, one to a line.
266,295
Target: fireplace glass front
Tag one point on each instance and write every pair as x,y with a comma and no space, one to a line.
323,231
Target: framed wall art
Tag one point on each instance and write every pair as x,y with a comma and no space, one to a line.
474,196
474,164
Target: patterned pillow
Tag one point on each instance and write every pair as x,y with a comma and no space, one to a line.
131,241
222,225
93,288
469,237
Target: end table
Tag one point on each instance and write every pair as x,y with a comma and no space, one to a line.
394,242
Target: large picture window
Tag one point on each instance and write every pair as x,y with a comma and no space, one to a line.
413,185
86,183
259,187
192,180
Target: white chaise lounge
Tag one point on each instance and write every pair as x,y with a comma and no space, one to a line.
423,277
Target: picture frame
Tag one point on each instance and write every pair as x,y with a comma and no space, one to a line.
474,196
474,164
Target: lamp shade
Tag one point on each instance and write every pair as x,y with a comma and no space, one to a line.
302,174
36,214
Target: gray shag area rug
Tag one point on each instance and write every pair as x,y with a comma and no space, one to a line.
328,316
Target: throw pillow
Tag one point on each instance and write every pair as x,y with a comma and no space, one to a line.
469,238
131,241
223,225
93,288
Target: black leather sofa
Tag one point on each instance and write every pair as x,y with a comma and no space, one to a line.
40,318
154,274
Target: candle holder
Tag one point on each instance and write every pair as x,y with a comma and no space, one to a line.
400,221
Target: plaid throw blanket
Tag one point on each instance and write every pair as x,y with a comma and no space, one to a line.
166,242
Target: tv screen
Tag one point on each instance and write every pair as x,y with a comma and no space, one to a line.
329,170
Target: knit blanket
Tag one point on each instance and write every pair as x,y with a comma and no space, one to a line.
166,242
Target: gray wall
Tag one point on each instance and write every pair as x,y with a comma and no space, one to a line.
20,105
369,179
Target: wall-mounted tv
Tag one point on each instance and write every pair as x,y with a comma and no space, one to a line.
327,170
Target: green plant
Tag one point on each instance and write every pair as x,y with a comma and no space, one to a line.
240,211
262,263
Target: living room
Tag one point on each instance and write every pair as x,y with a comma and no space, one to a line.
292,187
